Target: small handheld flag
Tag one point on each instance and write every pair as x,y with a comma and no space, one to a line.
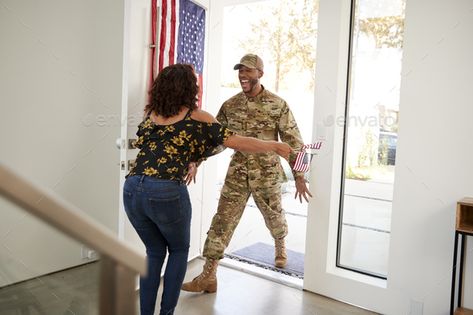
303,159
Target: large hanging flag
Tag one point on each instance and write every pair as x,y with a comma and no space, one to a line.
182,36
152,46
167,32
302,159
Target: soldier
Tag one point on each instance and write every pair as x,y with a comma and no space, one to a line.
254,112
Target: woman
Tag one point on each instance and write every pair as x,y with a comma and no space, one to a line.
174,135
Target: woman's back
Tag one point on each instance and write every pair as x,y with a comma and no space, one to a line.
168,145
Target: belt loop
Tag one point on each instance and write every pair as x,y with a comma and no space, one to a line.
142,179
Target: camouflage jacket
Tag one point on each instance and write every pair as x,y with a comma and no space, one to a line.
265,116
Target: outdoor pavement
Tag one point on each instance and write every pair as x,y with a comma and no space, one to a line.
366,225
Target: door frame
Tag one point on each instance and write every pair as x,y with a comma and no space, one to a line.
209,168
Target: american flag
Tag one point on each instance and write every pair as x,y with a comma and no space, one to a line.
302,160
182,36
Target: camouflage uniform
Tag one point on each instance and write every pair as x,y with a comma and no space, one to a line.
264,116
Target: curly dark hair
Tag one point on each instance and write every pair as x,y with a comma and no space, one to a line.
175,86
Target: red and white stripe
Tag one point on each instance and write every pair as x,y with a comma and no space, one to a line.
299,164
152,68
303,159
168,35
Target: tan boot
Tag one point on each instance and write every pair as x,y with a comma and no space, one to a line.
206,281
280,259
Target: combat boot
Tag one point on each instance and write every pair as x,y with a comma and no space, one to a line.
280,259
206,281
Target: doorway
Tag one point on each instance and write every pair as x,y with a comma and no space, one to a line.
283,33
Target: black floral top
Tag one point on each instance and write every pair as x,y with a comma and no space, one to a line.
167,150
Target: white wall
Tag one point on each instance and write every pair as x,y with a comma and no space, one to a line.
60,84
434,168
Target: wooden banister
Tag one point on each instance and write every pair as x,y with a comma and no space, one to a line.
69,219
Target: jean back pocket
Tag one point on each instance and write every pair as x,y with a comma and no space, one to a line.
165,210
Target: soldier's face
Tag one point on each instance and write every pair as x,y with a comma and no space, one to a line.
249,79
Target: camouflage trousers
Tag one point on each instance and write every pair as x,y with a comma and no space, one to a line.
241,182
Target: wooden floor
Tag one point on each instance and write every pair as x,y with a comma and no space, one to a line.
75,292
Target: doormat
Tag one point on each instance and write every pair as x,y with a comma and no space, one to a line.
262,255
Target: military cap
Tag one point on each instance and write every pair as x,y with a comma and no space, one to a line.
251,61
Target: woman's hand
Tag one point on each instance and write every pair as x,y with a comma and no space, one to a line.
191,173
282,149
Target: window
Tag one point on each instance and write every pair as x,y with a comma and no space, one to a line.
371,126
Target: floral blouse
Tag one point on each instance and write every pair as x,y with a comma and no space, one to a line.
167,150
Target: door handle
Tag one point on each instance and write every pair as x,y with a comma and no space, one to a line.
119,143
129,165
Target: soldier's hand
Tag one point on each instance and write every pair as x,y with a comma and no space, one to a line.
192,172
283,149
301,189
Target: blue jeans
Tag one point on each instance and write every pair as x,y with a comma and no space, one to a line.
160,211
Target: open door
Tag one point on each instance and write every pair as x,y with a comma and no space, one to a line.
338,42
137,65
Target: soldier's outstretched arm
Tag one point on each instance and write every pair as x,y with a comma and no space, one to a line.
289,133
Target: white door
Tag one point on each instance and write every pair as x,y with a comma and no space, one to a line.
136,66
321,273
137,60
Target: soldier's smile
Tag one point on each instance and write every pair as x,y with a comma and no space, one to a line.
245,84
